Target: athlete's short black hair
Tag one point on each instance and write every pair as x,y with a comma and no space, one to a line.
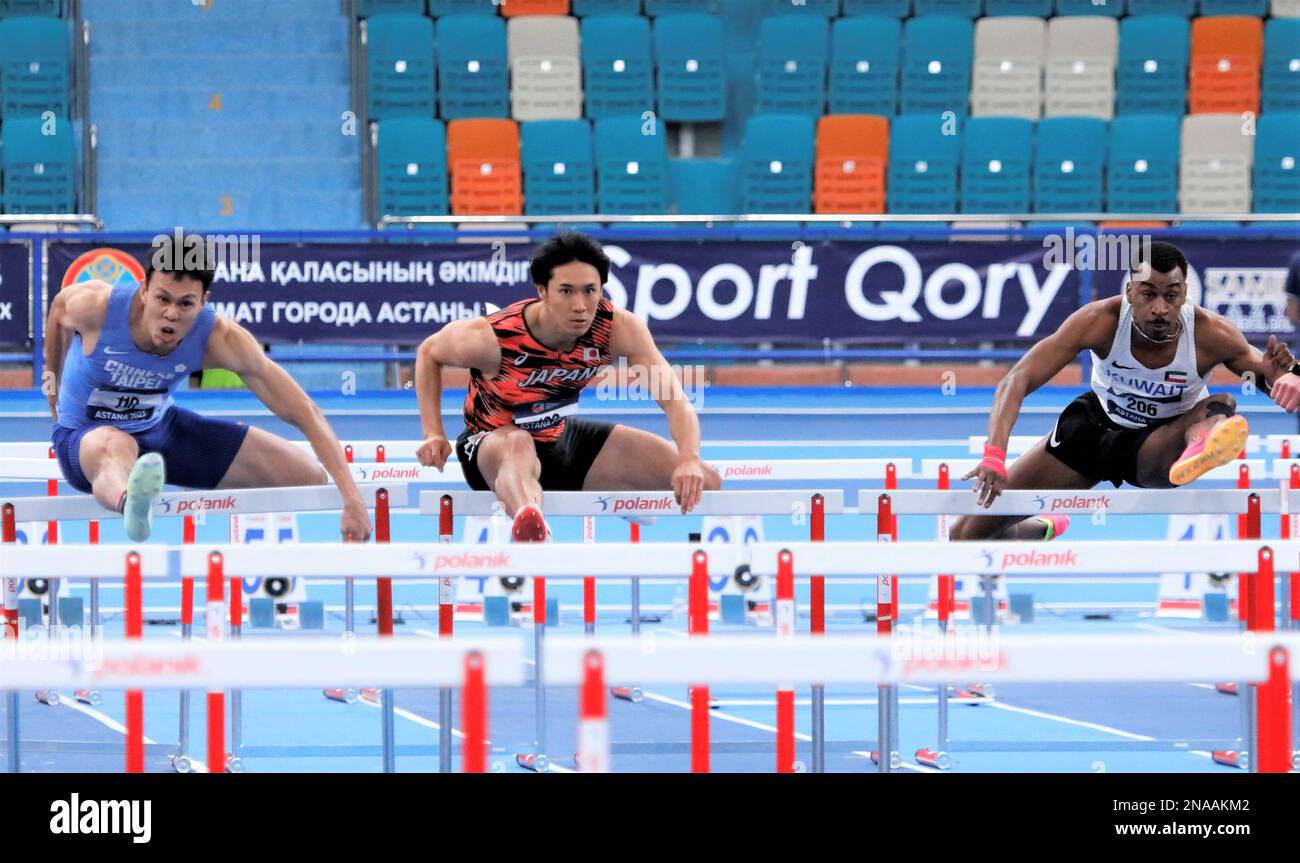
564,249
186,256
1163,257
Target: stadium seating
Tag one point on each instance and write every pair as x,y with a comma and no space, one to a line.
583,8
776,164
30,8
792,57
1111,8
517,8
691,71
1081,58
399,66
1226,55
617,64
35,67
704,187
1008,70
367,8
559,167
1215,164
472,67
438,8
924,155
40,167
411,167
885,8
997,155
936,68
1280,82
1142,155
545,68
1069,161
864,65
1153,57
1277,163
852,159
631,166
483,157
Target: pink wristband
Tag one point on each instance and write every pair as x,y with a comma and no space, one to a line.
995,459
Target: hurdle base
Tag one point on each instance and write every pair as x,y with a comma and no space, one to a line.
537,763
48,696
895,760
182,764
1231,758
628,693
935,758
1226,688
234,764
89,696
343,696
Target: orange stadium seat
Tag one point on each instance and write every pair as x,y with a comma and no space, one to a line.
484,158
852,155
1227,51
515,8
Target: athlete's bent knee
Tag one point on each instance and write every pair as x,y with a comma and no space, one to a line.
519,448
1221,403
712,479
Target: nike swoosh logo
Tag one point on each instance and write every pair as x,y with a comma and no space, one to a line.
1118,366
111,351
1054,442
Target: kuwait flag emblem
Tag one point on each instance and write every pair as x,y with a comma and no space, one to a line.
1175,377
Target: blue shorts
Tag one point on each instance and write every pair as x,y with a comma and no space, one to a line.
197,450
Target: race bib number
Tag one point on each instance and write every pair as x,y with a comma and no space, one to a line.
1133,409
109,405
543,415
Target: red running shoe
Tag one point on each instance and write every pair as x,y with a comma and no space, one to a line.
529,525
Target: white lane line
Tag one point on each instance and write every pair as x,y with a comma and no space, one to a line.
1078,723
113,725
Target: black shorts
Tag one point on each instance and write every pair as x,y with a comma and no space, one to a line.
565,460
1088,441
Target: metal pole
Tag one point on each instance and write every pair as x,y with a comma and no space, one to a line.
387,731
12,709
444,730
539,683
349,606
819,729
885,743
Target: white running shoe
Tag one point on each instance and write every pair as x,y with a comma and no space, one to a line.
143,487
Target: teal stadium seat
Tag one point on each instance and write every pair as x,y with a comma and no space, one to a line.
1185,8
1277,163
1281,72
31,8
776,165
35,67
1151,77
691,69
1069,165
1113,8
1033,8
631,167
655,8
820,8
583,8
412,167
399,66
1257,8
366,8
559,167
923,164
864,65
936,74
704,187
792,55
438,8
996,160
1142,156
960,8
617,65
473,68
40,170
887,8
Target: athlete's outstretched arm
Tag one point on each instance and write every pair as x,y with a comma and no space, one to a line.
631,338
467,344
1270,371
233,348
1080,331
76,308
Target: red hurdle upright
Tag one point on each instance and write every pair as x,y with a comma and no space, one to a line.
384,615
215,614
1293,593
785,615
817,626
9,536
181,760
446,620
473,706
698,616
134,698
886,610
593,717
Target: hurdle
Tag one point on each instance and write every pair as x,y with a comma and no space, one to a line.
322,498
591,505
1118,502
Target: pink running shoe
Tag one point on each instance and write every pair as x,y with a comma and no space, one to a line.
529,525
1056,526
1221,445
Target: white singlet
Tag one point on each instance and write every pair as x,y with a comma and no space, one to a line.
1135,396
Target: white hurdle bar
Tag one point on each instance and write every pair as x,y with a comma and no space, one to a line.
1029,502
959,467
415,560
1020,444
657,504
306,498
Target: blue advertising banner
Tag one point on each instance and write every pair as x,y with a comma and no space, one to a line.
714,291
15,291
